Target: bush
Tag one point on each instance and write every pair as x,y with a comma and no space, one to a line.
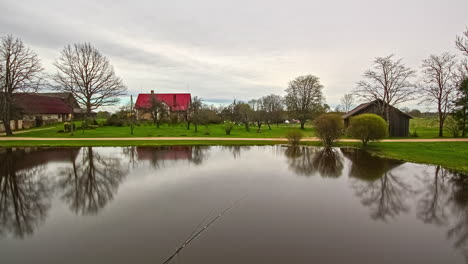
329,127
368,127
294,137
228,126
115,120
452,126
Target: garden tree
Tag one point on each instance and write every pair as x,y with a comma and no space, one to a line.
240,112
274,107
367,127
389,81
196,113
347,102
329,128
438,85
20,71
158,110
461,107
87,74
304,98
258,113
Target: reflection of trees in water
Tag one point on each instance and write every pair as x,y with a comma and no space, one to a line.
431,207
236,150
307,161
24,195
91,181
458,231
376,185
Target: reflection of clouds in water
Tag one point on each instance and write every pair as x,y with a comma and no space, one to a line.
24,194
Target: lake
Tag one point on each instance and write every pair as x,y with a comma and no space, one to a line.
281,205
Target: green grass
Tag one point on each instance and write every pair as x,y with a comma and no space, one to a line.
179,130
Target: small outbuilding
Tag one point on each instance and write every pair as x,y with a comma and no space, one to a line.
398,120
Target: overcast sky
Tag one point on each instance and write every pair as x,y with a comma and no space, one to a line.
221,50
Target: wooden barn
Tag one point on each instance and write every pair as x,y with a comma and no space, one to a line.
399,121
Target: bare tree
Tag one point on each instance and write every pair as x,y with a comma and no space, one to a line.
438,86
274,107
158,110
347,101
304,97
83,71
20,71
462,42
389,82
195,112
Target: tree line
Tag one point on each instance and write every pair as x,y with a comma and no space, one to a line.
443,83
80,70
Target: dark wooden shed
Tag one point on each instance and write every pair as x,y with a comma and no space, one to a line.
399,121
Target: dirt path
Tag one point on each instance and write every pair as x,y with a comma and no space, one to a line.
221,138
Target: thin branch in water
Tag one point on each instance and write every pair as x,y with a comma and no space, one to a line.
195,235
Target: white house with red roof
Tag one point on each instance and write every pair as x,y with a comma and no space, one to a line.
176,103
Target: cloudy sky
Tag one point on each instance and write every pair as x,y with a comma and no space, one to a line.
221,50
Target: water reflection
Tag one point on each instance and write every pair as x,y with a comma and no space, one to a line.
376,184
159,157
432,204
413,202
91,180
308,161
24,192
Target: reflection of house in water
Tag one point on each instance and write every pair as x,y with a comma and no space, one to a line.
165,153
376,184
27,158
158,155
366,166
25,188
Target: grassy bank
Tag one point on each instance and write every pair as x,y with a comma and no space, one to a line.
452,155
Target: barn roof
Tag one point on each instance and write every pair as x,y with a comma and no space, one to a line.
176,101
41,104
363,106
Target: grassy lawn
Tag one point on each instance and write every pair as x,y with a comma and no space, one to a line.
451,155
179,130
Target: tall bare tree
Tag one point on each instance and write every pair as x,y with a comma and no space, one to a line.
389,81
438,86
274,107
20,71
347,101
83,71
304,97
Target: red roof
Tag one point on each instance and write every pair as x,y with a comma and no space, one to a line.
40,104
176,101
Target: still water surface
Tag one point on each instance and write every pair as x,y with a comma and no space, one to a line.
301,205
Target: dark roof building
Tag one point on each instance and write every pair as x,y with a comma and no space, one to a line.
399,121
175,101
29,103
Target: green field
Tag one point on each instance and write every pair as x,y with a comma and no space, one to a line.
179,130
425,128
